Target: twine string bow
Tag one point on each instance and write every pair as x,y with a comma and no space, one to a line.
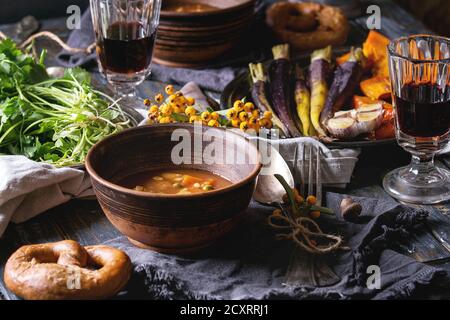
302,231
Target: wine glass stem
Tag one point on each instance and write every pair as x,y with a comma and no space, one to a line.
422,165
126,92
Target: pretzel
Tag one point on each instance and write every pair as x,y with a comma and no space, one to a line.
308,26
66,270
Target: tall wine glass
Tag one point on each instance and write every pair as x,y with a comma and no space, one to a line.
125,33
420,77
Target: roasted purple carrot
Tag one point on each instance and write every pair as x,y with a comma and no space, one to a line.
320,71
346,79
260,97
280,82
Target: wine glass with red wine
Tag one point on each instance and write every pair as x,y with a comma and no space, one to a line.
420,77
125,33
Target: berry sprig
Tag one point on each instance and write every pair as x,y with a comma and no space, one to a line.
175,107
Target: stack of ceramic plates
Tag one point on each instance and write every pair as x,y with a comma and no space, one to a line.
194,33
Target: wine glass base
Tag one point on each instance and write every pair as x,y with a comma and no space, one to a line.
432,190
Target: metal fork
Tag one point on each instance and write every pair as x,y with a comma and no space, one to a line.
310,170
306,269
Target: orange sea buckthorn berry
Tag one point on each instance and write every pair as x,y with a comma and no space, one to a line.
190,111
252,121
256,127
147,102
169,89
215,116
264,122
172,98
165,120
243,126
312,200
190,101
268,115
256,113
249,107
206,116
193,119
238,106
159,98
243,116
166,110
177,109
232,114
153,109
178,94
314,214
213,123
235,123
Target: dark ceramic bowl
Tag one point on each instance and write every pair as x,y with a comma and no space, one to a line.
173,223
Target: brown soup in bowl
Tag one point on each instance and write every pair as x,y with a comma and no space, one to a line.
173,181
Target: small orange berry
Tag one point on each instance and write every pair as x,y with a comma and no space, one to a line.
172,98
206,116
196,119
243,116
215,116
169,89
153,109
311,200
256,113
252,121
244,126
190,101
249,107
213,123
238,106
231,114
147,102
190,111
159,98
235,123
268,115
314,214
165,120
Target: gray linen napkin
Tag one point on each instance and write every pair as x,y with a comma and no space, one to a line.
251,264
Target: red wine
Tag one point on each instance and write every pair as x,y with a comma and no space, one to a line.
126,48
423,110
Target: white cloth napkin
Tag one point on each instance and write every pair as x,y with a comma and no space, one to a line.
28,188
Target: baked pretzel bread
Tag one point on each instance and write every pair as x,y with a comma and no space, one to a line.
66,270
308,26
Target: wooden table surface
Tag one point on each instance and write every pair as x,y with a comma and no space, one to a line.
84,221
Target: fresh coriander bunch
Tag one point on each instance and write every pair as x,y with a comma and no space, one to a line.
56,120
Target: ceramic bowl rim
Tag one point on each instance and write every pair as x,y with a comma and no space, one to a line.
95,176
218,11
